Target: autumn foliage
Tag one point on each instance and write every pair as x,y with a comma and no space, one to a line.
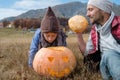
27,23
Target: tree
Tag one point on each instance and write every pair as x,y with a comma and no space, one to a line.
16,23
5,23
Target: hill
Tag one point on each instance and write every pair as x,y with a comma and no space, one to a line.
63,10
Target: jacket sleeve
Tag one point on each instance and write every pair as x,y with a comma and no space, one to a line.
34,47
89,46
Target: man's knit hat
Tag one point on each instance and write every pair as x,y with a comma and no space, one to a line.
49,22
104,5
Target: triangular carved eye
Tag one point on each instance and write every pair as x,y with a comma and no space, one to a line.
65,58
50,59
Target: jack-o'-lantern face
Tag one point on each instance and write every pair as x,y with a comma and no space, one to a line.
54,61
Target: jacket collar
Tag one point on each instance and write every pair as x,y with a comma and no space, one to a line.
115,21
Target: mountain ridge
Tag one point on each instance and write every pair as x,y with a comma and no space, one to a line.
65,10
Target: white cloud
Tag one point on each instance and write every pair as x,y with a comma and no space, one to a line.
21,6
24,5
35,4
5,12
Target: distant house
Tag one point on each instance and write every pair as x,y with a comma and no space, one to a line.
10,25
1,25
70,32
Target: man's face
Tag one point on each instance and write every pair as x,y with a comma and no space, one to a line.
50,36
94,14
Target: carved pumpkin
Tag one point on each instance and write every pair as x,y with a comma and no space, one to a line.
78,23
54,62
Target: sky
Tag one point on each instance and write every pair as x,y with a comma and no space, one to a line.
9,8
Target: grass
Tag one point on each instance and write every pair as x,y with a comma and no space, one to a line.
14,47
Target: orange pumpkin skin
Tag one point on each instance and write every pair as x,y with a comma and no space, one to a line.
54,62
78,23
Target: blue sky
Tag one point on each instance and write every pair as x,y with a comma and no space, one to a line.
16,7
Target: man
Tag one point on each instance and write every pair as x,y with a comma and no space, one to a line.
104,39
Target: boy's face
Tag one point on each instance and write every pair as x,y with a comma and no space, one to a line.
50,36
